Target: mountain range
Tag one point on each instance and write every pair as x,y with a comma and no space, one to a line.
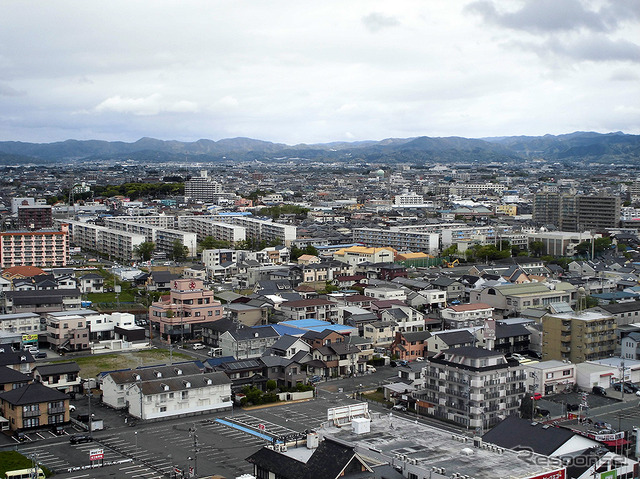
578,146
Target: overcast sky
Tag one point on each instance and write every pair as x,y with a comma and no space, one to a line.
304,72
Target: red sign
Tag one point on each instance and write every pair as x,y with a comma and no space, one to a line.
261,427
559,474
96,454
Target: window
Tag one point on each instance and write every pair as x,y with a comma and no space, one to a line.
566,372
185,394
163,409
549,375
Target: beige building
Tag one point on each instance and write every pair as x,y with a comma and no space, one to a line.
578,336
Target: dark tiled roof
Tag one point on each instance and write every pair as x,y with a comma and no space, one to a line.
9,375
510,330
519,434
181,383
151,373
18,357
456,337
34,393
59,368
417,335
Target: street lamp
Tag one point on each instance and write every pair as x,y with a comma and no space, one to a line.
136,436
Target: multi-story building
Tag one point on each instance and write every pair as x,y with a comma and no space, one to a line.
204,226
261,230
164,238
466,315
398,238
24,323
551,377
35,217
114,243
34,405
408,199
44,248
321,309
578,336
181,315
202,188
67,332
510,299
577,212
40,301
473,387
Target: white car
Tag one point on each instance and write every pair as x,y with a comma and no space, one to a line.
517,356
72,408
199,346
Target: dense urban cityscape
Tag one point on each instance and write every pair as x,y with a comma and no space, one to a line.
295,317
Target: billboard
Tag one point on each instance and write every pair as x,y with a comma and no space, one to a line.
557,474
29,338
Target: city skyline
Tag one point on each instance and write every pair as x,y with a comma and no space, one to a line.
315,73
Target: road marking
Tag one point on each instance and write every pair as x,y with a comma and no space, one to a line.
78,477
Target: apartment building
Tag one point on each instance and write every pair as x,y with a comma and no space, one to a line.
510,299
551,377
577,212
40,301
35,217
181,314
67,332
164,238
261,230
34,405
466,315
398,238
473,387
202,188
204,226
115,243
321,309
578,336
24,323
43,248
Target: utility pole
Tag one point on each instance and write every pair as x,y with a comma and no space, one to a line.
195,451
90,418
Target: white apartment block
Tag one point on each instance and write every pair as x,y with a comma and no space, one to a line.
408,199
398,238
161,221
117,244
164,238
204,226
261,230
385,293
25,323
202,188
466,315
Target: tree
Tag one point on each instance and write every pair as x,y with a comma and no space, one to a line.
144,250
526,407
451,250
179,251
599,246
536,248
211,243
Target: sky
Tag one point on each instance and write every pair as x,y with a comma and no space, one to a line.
302,71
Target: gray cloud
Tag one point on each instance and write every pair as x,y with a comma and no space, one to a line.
374,22
549,16
6,90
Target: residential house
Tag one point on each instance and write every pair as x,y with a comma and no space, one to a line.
247,343
380,333
247,315
551,377
408,319
33,406
40,301
18,360
161,280
62,376
67,332
12,379
453,287
410,345
286,372
385,293
247,372
288,346
340,359
443,340
624,313
91,283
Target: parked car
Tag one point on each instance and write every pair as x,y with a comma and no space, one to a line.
57,430
21,436
399,407
79,438
536,396
370,368
402,362
419,358
627,389
517,356
573,407
599,391
199,346
543,412
72,408
315,379
40,355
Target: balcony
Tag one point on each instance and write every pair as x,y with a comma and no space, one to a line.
35,413
56,410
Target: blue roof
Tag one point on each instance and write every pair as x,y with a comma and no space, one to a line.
283,329
318,325
218,361
234,213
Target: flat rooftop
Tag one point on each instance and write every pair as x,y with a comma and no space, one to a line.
415,446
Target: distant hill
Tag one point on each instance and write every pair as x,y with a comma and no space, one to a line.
570,147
